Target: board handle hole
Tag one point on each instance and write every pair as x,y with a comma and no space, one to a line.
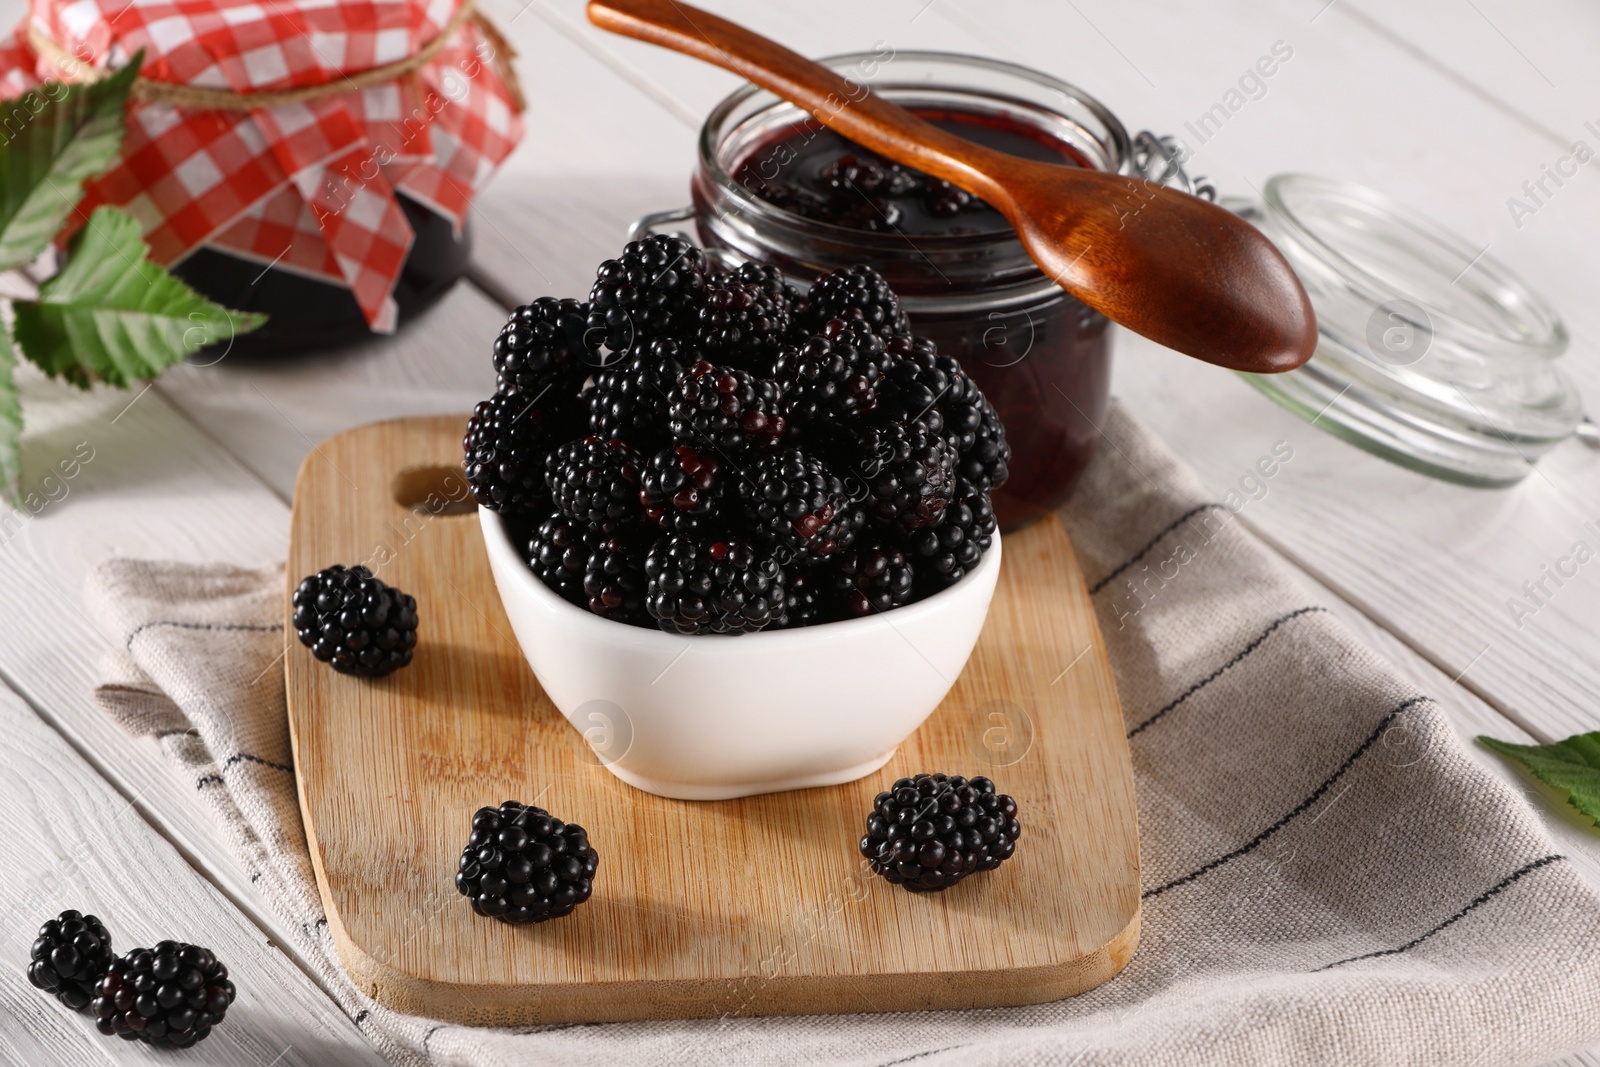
434,491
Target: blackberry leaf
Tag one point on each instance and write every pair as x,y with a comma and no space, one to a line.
74,135
113,316
1571,766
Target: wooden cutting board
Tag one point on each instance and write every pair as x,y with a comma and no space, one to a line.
759,906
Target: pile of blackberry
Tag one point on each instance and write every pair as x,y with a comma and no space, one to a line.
711,452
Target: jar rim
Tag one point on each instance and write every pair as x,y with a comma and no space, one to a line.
1118,151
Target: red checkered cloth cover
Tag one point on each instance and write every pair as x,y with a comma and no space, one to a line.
302,187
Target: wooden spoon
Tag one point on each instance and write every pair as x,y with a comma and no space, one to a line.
1180,270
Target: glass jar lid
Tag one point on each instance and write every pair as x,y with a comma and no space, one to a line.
1431,353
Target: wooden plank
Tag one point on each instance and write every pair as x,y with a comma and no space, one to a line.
797,925
70,840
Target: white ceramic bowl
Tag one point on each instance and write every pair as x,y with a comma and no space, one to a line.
708,718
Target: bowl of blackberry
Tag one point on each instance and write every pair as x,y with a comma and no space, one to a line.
747,529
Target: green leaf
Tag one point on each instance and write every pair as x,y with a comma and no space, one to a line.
64,135
1572,766
113,316
10,421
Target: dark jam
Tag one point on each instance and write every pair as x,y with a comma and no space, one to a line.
306,314
814,172
1044,363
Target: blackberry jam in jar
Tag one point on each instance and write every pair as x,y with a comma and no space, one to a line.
775,185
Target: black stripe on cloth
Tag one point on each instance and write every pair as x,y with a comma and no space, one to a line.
361,1016
198,626
210,779
921,1055
1214,675
245,756
1299,809
1137,556
1476,902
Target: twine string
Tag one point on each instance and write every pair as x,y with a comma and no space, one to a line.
208,99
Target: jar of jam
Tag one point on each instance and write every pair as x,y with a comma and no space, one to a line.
775,185
307,314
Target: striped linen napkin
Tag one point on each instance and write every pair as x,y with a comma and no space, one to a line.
1328,877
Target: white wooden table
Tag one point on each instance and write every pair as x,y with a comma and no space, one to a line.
1449,105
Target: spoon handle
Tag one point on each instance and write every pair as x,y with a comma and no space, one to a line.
837,102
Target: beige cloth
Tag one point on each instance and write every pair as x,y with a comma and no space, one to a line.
1328,878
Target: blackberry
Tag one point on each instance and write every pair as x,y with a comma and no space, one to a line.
796,504
807,599
355,623
505,445
654,289
942,199
683,490
629,399
522,865
172,994
71,953
613,579
985,459
558,555
854,293
874,578
595,480
850,177
741,322
832,378
909,472
725,409
945,551
923,384
929,832
712,587
541,345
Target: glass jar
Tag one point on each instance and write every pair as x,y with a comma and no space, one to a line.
306,314
1040,356
1431,353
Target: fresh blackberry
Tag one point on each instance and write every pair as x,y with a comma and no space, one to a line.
355,623
944,552
654,289
909,472
726,410
808,599
770,280
712,587
921,383
740,321
613,580
558,555
505,446
854,293
985,461
69,956
541,345
832,379
172,994
798,505
872,578
522,865
629,399
929,832
683,490
595,480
